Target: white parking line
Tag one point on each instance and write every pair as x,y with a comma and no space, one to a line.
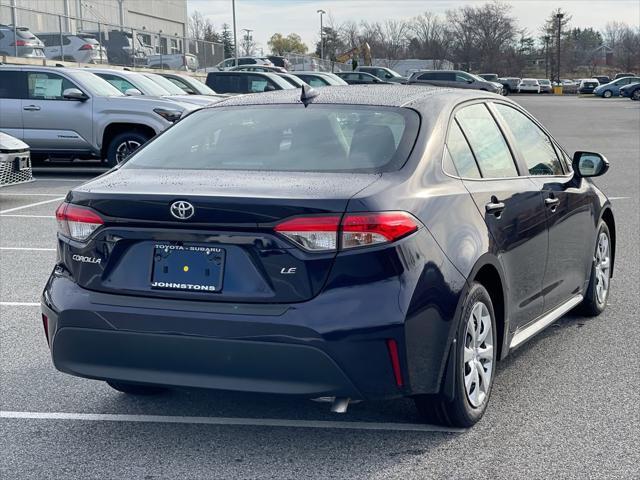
19,304
15,209
254,422
29,216
29,194
29,249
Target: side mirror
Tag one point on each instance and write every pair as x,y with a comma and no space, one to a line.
469,81
132,92
589,164
74,94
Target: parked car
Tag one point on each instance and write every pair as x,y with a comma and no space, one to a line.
303,63
188,84
175,61
331,251
292,79
15,161
509,84
231,62
20,42
279,61
123,48
602,79
80,47
257,68
612,89
361,78
622,75
72,113
588,85
545,85
137,83
529,85
383,73
631,91
320,79
568,86
489,77
246,82
454,79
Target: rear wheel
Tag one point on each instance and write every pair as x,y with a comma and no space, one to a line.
636,94
123,145
595,298
134,389
475,359
607,94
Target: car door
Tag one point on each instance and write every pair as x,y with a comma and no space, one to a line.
51,122
513,210
13,88
567,205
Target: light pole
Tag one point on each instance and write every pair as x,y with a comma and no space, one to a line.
559,17
247,38
546,56
235,37
321,12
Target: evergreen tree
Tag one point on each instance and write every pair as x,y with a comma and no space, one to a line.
227,41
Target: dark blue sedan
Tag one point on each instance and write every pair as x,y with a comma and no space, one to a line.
356,243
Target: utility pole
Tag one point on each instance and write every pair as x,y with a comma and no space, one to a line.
321,12
559,17
546,56
235,37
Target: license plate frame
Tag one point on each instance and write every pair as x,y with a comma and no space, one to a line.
21,164
187,267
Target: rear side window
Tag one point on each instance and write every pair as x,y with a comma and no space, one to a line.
118,82
486,141
12,85
534,145
314,81
460,153
320,138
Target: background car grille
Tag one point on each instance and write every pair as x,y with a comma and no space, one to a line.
9,173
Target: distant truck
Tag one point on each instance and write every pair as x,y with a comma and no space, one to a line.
174,61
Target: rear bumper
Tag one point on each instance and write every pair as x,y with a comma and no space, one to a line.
332,345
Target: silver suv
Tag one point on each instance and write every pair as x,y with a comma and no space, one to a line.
80,47
72,113
19,42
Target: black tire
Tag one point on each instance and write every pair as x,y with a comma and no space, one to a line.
635,95
135,389
593,305
607,94
460,412
114,152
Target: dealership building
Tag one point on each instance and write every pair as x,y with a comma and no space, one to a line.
162,24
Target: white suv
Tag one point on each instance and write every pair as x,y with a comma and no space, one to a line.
81,47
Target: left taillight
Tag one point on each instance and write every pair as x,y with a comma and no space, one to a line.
77,223
327,233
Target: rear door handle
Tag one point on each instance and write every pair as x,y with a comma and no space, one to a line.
552,201
494,207
31,108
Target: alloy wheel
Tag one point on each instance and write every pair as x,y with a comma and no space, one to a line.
607,94
602,266
478,354
125,149
636,94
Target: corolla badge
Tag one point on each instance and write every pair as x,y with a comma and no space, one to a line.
182,210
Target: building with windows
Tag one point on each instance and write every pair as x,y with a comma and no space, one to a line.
160,24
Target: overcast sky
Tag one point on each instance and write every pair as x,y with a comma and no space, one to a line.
266,17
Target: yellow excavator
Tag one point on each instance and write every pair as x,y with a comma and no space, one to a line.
363,50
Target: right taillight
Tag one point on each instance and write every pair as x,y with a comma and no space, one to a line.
76,222
328,233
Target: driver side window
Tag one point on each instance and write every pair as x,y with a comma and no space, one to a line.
460,77
47,86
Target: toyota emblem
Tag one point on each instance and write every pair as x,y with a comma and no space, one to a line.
182,210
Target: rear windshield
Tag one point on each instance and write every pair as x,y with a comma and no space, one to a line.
320,138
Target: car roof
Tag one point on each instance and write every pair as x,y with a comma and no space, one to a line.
418,97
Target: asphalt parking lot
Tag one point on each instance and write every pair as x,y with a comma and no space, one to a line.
565,405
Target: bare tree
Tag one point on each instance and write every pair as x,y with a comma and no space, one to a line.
494,30
197,25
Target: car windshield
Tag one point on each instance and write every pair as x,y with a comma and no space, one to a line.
320,138
544,82
202,88
528,81
96,85
168,85
146,85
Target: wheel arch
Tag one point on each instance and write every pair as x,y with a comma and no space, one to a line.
117,128
608,218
